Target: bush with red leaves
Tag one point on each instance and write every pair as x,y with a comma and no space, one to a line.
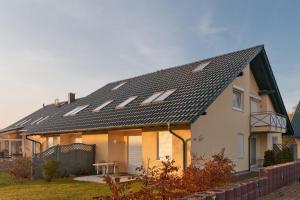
167,182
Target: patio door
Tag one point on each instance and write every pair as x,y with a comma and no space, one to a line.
252,151
134,153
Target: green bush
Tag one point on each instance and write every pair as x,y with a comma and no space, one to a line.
283,156
50,169
269,158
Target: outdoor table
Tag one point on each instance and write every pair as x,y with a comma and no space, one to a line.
105,167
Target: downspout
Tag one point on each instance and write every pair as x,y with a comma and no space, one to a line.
184,145
34,141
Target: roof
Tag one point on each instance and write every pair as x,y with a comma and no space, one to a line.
296,121
195,91
40,114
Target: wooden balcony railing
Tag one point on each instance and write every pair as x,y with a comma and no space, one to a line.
268,121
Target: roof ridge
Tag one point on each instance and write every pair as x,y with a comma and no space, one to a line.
190,63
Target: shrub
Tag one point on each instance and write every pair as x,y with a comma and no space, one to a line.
19,168
50,169
269,158
283,156
167,182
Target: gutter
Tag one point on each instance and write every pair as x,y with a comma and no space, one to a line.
184,145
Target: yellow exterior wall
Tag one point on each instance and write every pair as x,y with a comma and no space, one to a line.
101,142
220,127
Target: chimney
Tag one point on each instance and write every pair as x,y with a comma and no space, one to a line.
56,102
71,97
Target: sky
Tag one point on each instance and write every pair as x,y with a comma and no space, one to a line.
51,47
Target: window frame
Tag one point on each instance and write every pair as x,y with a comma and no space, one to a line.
159,157
124,103
240,155
76,110
102,106
240,91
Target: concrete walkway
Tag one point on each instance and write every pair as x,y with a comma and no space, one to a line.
290,192
99,179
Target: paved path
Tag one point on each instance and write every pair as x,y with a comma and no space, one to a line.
291,192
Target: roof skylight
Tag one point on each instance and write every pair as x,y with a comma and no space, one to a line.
152,97
102,106
158,96
37,120
201,66
165,95
75,110
119,85
23,122
127,101
42,120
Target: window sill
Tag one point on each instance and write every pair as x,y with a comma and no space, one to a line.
237,109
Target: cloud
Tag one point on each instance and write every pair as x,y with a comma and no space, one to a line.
207,27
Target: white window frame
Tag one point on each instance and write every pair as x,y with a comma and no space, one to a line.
102,106
240,146
164,149
76,110
152,98
201,66
119,85
240,91
164,95
126,102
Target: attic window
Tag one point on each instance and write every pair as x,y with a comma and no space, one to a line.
127,101
102,106
23,122
37,120
42,120
165,95
158,96
119,85
201,66
76,110
152,97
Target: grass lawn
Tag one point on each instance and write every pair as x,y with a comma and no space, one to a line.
60,189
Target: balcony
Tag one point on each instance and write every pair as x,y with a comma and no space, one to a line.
267,122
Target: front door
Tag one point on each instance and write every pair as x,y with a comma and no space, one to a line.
252,151
134,153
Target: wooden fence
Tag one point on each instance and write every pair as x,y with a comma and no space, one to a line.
74,159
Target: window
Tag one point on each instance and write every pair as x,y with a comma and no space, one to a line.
127,101
42,120
152,98
165,145
102,106
237,99
164,95
201,66
39,120
119,85
53,141
78,140
274,141
240,146
159,96
76,110
23,122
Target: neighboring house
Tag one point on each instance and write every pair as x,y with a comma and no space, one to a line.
296,127
230,101
13,140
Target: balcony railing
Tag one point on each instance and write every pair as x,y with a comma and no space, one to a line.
268,121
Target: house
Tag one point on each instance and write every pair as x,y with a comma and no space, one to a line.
296,128
13,139
229,101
